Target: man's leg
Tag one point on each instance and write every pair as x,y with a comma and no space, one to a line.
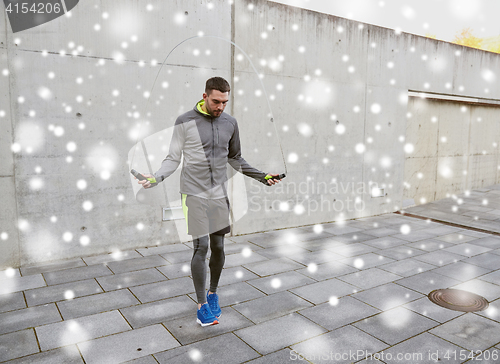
216,264
199,267
217,259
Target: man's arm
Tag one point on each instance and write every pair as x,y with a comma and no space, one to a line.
240,164
173,158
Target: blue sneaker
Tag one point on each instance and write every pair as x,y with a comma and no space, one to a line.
205,316
213,302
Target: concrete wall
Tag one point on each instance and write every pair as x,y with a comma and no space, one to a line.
455,148
335,87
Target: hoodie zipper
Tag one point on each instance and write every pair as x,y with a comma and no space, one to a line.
213,152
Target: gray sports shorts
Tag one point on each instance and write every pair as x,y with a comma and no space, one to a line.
204,216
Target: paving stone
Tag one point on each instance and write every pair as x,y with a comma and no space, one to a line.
137,263
311,236
159,311
492,242
175,270
17,284
370,278
233,260
387,296
267,240
407,267
163,249
317,257
52,266
341,230
423,348
231,248
385,242
488,290
61,292
28,317
320,244
467,249
76,274
164,289
400,252
353,238
492,312
150,359
443,230
130,279
470,331
113,257
490,356
67,355
395,325
281,282
440,258
81,329
283,356
282,251
496,251
461,271
473,233
338,313
9,273
366,261
322,291
234,275
429,309
351,250
186,330
273,266
327,270
17,344
96,303
272,306
279,333
124,346
382,231
12,301
486,260
493,277
416,235
224,349
344,345
456,238
427,282
430,245
179,257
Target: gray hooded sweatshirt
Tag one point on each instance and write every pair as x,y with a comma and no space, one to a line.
207,145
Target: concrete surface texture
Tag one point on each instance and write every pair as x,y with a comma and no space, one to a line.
338,293
77,97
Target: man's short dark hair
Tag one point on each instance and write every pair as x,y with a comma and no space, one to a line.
217,83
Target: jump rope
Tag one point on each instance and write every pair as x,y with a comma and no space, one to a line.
138,175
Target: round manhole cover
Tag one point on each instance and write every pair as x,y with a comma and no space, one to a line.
458,300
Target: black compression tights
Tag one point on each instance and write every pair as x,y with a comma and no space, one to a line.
199,266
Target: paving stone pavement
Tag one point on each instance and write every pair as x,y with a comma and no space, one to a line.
345,292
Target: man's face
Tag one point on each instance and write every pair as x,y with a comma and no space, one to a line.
216,102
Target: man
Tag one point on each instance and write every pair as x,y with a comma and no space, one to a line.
208,139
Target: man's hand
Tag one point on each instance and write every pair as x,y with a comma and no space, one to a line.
272,181
145,183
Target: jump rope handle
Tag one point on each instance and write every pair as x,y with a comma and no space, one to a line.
281,176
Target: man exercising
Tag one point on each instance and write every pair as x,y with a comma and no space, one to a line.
208,139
